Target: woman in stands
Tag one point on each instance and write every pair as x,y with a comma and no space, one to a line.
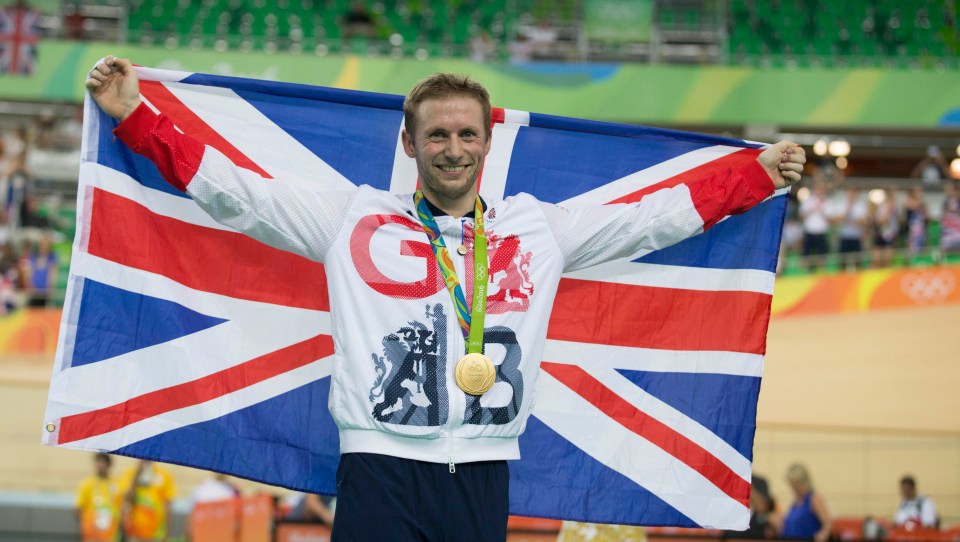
807,518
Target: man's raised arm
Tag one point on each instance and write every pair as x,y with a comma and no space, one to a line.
589,236
296,220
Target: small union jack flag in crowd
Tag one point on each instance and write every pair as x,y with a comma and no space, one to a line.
19,35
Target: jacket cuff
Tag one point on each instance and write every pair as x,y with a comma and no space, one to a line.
176,155
743,187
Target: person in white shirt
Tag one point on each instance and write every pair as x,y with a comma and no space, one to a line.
816,222
914,510
214,488
851,216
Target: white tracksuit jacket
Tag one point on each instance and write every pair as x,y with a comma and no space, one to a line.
395,331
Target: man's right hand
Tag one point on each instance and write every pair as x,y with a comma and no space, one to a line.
114,85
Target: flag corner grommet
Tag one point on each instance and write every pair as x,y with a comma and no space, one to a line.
50,427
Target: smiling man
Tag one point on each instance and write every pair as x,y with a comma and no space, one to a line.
433,379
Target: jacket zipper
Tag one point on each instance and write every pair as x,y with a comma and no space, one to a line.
455,417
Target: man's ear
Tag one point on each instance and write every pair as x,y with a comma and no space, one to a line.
408,144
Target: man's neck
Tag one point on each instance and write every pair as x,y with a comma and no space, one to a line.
458,208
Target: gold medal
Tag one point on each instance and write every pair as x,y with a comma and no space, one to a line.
475,374
462,250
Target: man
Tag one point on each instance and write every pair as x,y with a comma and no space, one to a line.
851,217
420,458
98,503
914,510
148,491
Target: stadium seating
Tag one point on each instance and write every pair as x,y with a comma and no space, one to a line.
921,33
870,32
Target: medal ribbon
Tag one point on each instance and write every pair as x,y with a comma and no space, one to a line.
471,322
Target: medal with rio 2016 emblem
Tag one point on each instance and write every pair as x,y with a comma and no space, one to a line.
475,374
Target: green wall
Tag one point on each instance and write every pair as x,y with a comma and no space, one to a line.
627,93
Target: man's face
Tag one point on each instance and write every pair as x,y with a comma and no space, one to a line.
908,491
102,467
449,144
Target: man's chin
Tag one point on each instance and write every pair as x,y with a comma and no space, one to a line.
450,189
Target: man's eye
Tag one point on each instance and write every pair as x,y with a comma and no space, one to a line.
436,135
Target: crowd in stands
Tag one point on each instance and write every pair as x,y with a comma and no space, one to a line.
808,517
30,267
832,221
137,505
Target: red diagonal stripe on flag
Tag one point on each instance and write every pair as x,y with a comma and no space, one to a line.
201,390
188,121
216,261
651,429
663,318
720,165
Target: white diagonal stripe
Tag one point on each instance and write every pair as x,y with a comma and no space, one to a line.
585,426
679,277
601,357
403,178
497,164
253,329
227,113
676,420
649,176
203,412
161,203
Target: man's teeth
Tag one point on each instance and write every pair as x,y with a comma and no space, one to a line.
453,169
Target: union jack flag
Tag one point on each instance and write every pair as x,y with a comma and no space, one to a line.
19,35
215,352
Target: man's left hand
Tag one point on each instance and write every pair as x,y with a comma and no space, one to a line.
783,162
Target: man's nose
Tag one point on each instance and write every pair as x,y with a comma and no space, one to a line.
454,148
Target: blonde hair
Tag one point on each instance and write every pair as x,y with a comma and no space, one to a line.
798,473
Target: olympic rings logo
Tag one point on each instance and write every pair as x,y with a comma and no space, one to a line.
928,287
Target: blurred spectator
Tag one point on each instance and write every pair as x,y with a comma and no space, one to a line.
825,170
884,225
950,219
217,487
98,503
915,221
358,22
73,21
851,217
543,39
13,190
311,508
813,213
30,215
933,169
520,49
70,131
40,267
482,47
914,510
9,277
763,514
45,129
808,517
148,491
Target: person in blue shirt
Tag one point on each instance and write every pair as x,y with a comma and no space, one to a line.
808,518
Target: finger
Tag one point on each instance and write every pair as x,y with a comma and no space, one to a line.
92,84
123,65
791,176
790,166
98,75
785,146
